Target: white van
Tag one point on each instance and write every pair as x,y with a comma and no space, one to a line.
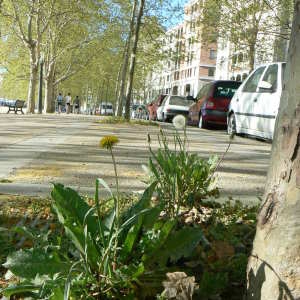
106,109
254,107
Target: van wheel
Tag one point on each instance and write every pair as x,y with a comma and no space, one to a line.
202,124
231,125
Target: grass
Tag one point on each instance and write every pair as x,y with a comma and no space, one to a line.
5,180
121,120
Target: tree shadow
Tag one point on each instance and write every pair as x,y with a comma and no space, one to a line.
256,282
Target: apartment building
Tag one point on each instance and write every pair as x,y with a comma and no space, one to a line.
233,61
190,62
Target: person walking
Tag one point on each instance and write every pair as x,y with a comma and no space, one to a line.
59,100
68,103
76,105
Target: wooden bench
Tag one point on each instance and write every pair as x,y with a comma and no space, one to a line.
14,105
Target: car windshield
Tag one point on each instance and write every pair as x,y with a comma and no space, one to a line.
226,89
177,100
106,106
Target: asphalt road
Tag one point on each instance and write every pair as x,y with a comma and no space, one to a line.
37,150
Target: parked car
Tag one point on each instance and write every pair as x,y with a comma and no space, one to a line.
106,108
212,102
154,105
172,106
254,107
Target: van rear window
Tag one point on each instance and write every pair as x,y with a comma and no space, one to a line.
182,101
226,89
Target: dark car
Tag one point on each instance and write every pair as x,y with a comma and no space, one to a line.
212,102
154,105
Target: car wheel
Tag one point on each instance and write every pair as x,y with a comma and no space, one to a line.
202,124
231,125
165,119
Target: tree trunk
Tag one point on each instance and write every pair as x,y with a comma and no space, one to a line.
118,104
32,81
274,266
132,60
49,90
125,61
281,43
251,56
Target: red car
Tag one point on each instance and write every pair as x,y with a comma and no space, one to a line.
212,103
154,105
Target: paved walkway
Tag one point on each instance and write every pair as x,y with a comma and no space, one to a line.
38,150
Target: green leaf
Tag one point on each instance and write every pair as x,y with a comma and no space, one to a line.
19,289
137,209
69,205
151,253
29,263
83,243
179,244
57,294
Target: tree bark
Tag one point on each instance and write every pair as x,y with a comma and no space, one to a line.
133,59
32,81
49,90
118,104
281,43
251,56
125,61
274,266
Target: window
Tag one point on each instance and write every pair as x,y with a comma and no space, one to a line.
252,82
234,59
203,91
240,57
175,90
225,89
211,72
212,54
177,100
271,76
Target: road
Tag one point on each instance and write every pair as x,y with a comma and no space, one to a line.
37,150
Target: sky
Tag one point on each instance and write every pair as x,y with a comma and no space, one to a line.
174,15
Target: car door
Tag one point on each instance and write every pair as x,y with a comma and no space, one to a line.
195,108
160,110
201,98
268,101
246,99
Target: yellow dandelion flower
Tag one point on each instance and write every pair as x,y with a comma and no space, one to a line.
108,142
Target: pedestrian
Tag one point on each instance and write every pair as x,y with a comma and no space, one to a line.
59,102
76,105
68,103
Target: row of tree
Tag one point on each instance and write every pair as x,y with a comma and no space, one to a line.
87,47
256,28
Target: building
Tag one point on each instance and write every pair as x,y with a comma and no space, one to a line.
233,61
189,62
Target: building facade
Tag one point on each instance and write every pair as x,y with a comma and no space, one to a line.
189,62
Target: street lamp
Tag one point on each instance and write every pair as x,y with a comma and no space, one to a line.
40,101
